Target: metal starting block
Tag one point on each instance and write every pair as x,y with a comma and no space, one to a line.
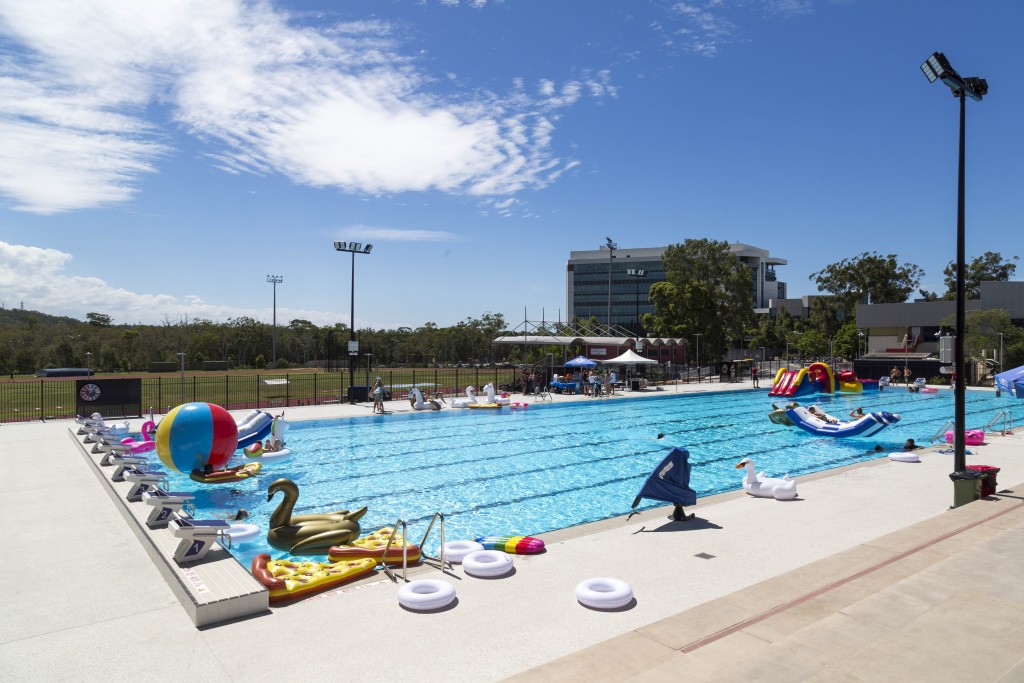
141,481
197,537
123,462
167,505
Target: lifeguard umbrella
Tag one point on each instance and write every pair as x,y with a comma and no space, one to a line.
1012,382
670,483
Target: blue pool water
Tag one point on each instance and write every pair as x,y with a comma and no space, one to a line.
555,466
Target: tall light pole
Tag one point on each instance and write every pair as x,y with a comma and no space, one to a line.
1000,351
88,363
935,68
637,273
697,345
611,247
860,338
353,344
275,280
181,359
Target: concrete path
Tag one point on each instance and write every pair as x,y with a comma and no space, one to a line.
868,576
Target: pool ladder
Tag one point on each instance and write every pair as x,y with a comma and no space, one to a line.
941,434
405,547
1007,419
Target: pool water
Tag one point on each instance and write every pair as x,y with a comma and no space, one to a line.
555,466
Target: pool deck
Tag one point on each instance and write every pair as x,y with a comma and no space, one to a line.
868,576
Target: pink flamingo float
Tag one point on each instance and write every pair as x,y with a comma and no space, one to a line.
147,444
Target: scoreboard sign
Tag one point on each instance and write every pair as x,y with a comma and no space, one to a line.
109,397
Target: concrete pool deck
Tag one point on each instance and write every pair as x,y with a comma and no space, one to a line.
868,576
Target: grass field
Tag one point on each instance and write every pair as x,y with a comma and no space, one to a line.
32,398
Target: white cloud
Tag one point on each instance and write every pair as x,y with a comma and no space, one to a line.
38,277
366,233
338,106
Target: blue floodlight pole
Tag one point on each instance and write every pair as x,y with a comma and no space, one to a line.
937,67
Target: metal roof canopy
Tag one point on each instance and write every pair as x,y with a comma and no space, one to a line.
546,333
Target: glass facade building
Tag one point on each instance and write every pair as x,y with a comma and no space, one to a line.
598,282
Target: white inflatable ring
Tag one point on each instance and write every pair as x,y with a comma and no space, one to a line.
455,551
426,594
906,456
487,563
240,533
604,593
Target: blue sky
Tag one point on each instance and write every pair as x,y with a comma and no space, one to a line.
160,159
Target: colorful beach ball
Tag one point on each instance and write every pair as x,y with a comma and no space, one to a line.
194,435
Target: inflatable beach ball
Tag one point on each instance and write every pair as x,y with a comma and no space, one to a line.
194,435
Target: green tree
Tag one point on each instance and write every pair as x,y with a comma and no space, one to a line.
99,319
868,278
846,342
813,343
706,290
989,267
825,315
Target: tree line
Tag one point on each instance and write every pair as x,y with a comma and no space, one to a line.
706,292
30,340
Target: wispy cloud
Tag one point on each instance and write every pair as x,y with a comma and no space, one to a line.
38,277
397,235
340,106
703,27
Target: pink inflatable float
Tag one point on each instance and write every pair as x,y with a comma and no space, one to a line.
972,437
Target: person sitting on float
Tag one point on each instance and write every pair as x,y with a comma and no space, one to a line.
268,447
813,410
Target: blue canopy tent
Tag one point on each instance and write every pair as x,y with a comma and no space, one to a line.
1012,382
670,483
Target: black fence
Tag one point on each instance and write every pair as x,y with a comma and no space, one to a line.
36,399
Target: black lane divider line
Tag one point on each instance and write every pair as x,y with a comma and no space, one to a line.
465,482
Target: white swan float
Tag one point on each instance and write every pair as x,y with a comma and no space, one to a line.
465,402
417,402
500,400
756,484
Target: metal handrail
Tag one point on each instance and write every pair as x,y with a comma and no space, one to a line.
405,551
1007,417
440,560
942,431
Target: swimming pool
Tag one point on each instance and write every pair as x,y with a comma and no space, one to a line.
556,466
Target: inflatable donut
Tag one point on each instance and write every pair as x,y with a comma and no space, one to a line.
426,594
604,593
240,533
455,551
487,563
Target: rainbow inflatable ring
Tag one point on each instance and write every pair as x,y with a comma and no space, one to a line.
518,545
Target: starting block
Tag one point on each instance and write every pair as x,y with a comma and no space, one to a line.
141,481
124,462
167,505
197,537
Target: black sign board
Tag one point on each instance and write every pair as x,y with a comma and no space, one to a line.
109,397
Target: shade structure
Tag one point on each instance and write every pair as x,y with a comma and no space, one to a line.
1012,382
670,481
580,362
630,357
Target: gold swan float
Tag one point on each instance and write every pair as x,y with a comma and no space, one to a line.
308,534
